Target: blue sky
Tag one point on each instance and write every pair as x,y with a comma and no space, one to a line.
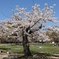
6,6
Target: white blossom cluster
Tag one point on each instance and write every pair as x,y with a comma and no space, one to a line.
54,28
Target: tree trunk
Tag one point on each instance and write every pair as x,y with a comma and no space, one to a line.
26,46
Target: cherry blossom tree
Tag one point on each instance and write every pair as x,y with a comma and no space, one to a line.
28,24
50,28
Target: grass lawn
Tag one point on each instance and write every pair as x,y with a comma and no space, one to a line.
40,48
45,48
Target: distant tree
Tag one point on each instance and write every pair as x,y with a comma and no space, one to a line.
28,24
54,36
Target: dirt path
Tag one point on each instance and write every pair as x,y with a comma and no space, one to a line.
50,57
3,55
53,57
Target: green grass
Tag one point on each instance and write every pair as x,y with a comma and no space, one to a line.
46,48
12,48
40,48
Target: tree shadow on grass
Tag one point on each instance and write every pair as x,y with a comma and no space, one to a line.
36,56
